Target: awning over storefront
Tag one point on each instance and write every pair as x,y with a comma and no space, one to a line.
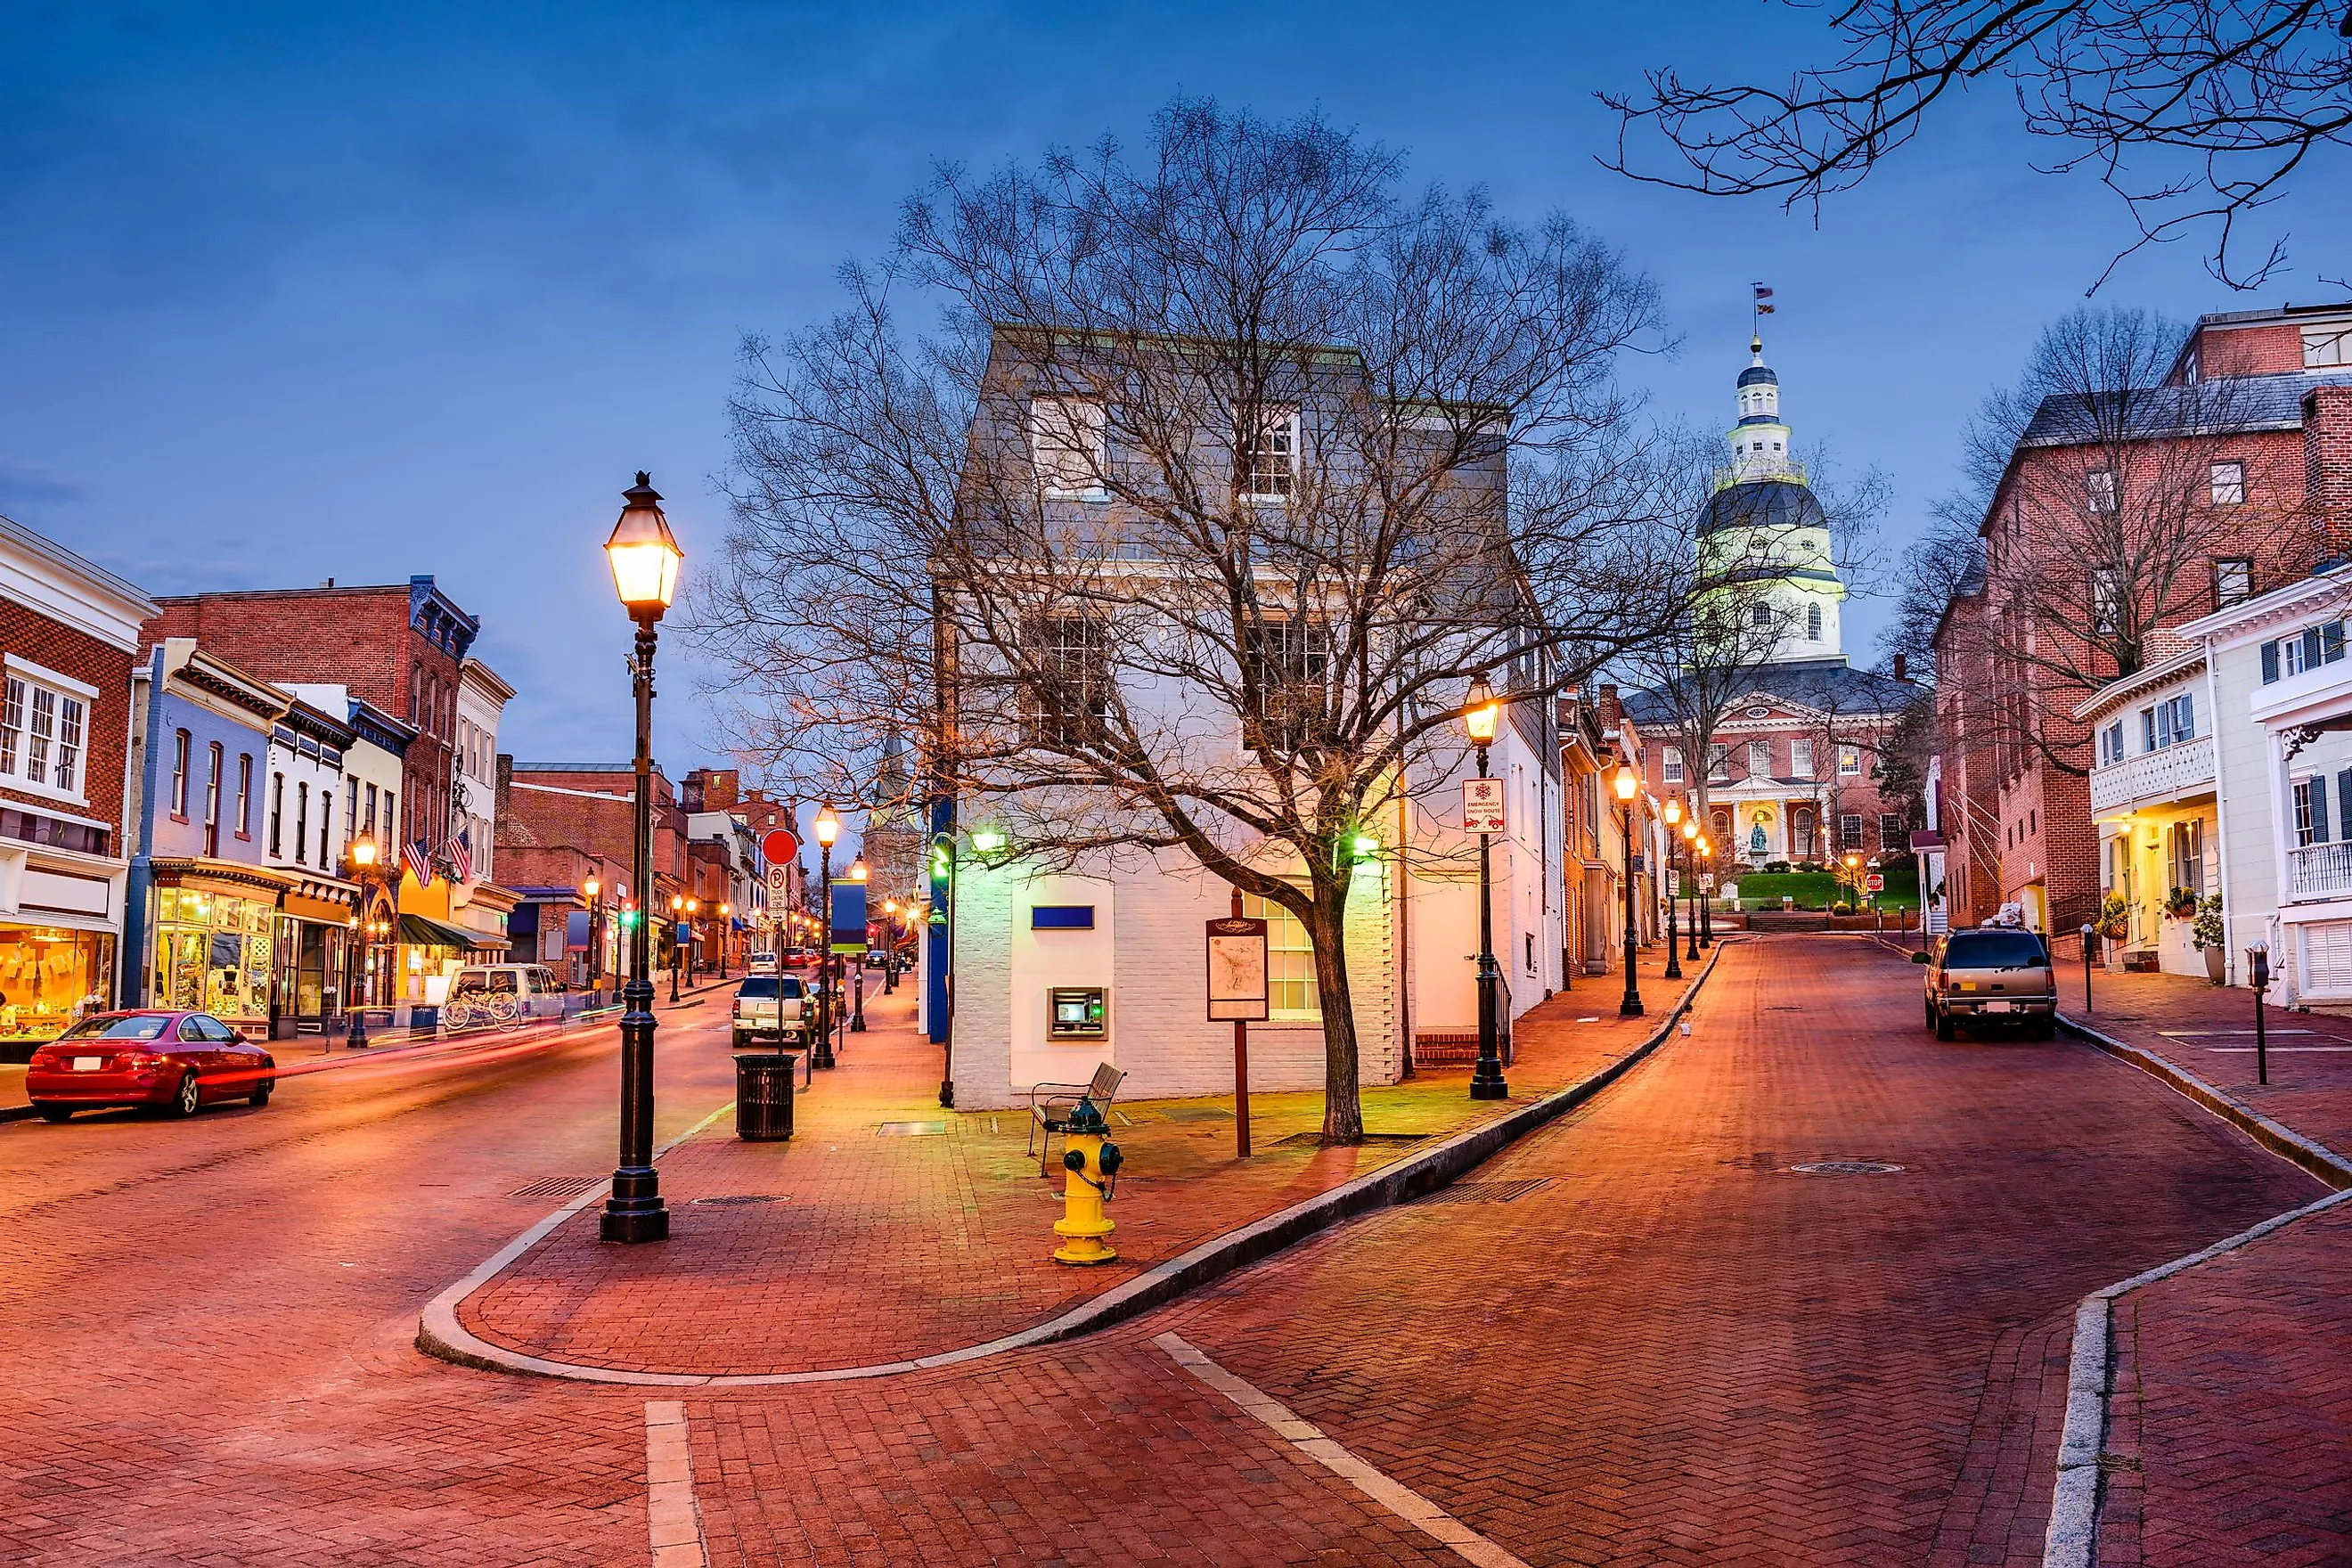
418,930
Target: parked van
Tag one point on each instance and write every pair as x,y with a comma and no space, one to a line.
503,994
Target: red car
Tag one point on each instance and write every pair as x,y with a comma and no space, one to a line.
179,1060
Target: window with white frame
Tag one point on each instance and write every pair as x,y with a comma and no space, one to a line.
2227,483
1067,696
1801,758
42,728
2325,347
1812,622
1761,616
1292,673
2300,651
2111,743
2188,842
2310,812
1273,457
1849,761
1066,444
1290,986
1892,838
1759,759
1718,764
1850,830
2099,489
1671,760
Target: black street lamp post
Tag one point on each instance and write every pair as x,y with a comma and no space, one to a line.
1480,719
828,828
1706,899
676,944
1674,814
363,856
1628,784
2258,976
645,559
858,1018
1690,870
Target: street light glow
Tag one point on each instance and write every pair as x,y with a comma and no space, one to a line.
1673,810
827,826
1481,714
591,887
988,841
858,870
644,553
1627,784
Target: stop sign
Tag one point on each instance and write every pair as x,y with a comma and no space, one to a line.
780,847
1873,883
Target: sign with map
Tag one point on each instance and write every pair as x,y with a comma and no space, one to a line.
1237,989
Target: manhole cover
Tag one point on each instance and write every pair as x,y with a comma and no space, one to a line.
1846,1168
557,1187
910,1130
739,1199
1484,1192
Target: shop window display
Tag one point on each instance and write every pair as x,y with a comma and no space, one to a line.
212,952
48,978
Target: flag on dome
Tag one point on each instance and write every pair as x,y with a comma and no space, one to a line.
1762,294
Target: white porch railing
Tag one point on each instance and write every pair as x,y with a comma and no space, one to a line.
2319,871
2176,771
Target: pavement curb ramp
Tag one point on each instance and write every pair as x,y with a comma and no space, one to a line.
2080,1493
439,1334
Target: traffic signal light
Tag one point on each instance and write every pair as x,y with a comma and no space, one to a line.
942,860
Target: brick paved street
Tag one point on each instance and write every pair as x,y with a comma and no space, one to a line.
1673,1351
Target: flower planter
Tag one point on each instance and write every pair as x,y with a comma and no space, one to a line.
2217,965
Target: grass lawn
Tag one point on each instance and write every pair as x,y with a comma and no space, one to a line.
1819,889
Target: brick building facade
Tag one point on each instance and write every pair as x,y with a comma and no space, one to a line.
2259,403
561,823
69,635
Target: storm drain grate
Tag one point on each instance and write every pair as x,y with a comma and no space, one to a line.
1485,1192
910,1130
557,1187
1846,1168
739,1199
1313,1139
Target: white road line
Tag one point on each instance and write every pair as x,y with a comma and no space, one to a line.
672,1521
2216,1034
2276,1050
1400,1500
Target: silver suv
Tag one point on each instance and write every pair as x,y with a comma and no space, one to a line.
1998,976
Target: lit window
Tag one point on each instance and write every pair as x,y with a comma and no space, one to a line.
1065,442
2227,483
1849,760
1290,962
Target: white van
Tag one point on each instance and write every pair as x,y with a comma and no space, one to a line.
504,994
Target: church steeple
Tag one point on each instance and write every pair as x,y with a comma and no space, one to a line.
1759,441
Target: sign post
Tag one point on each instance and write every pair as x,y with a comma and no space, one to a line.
1237,990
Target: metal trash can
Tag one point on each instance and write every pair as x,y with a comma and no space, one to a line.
763,1096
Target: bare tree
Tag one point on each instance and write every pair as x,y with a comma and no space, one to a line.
2100,514
2196,112
1180,537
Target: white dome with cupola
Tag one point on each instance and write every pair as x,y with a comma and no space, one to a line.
1765,517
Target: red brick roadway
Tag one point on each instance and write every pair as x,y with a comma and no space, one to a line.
1674,1351
2232,1423
847,1247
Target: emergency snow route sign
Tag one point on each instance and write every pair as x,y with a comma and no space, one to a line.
1482,805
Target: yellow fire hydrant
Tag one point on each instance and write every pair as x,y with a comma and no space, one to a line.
1092,1161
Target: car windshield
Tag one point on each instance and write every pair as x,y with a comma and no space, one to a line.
760,988
1994,949
143,1027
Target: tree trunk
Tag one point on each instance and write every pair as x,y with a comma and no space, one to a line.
1343,1108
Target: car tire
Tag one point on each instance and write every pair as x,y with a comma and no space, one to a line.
187,1097
1931,1014
55,1113
2043,1029
738,1039
1944,1028
260,1096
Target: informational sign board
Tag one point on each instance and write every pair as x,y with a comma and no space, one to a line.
1673,884
1640,864
779,885
1706,881
780,848
1873,883
1482,805
1237,955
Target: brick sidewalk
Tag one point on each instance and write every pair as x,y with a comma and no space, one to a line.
2231,1423
848,1247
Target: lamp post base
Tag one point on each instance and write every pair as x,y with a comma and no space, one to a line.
1487,1082
634,1226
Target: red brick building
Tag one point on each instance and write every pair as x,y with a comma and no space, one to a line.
400,646
2254,426
561,823
69,635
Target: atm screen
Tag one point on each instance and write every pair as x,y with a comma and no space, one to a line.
1070,1011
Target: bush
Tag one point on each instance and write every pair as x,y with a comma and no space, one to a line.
1840,907
1777,866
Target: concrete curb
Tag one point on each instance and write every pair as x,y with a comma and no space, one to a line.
439,1334
2080,1493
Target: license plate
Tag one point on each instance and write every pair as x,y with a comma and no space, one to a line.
88,1063
1996,1006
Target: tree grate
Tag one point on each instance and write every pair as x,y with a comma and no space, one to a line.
1484,1192
557,1187
1846,1168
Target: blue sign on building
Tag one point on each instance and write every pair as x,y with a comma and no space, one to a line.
848,917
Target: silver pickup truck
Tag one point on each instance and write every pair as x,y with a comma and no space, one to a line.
771,1007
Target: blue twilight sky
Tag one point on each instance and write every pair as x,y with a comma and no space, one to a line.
297,292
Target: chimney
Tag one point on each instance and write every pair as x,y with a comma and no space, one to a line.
506,782
1903,668
721,789
2327,466
1612,712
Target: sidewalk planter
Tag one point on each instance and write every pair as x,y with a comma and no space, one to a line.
2217,965
763,1096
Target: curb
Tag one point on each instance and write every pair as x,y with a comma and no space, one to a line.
2080,1492
439,1334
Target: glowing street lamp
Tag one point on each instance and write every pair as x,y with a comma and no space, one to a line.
827,828
1673,813
645,559
1690,864
1481,716
1627,784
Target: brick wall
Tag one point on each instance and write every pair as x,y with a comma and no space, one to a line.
71,652
2327,462
2249,351
590,811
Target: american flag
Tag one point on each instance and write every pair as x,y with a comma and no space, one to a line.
461,856
1762,294
420,864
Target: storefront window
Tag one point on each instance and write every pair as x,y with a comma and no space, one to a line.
212,952
48,978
